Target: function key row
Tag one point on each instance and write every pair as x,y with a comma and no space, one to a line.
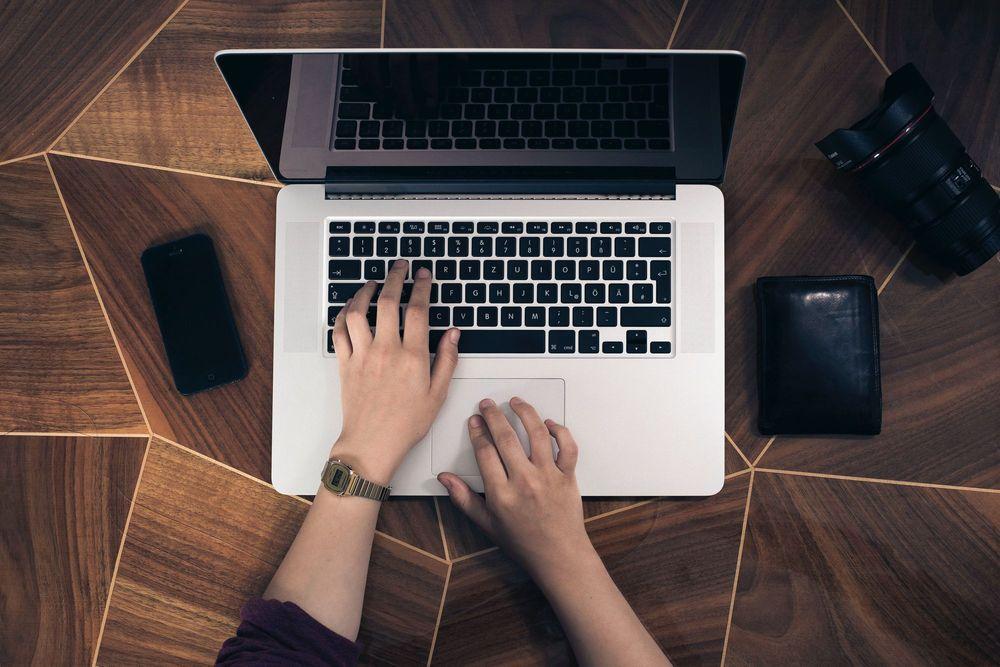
494,227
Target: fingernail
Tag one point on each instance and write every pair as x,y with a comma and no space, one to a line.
486,403
399,264
549,422
445,482
453,335
514,400
423,272
476,421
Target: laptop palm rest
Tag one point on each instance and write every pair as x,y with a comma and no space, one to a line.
451,449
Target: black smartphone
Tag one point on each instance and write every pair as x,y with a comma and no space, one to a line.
196,322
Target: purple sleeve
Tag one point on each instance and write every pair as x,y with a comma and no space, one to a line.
275,632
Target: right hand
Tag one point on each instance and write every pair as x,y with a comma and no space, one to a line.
533,508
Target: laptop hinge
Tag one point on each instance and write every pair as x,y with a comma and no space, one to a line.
479,182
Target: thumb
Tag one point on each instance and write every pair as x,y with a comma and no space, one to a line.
445,362
467,500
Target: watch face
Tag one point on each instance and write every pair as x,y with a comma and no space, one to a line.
339,476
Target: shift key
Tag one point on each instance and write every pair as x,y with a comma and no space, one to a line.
646,317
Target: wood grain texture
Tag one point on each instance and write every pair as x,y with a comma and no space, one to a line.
956,46
59,369
788,212
674,560
940,348
589,24
203,540
171,107
465,538
63,507
118,212
840,572
57,56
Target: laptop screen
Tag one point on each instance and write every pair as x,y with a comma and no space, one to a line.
459,114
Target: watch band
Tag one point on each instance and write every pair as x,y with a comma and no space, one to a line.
339,478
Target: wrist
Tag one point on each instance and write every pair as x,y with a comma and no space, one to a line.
569,566
367,459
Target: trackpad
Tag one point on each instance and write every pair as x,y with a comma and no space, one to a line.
451,450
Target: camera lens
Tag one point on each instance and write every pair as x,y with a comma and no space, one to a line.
914,165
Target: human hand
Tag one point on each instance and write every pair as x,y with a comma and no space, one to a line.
389,393
533,507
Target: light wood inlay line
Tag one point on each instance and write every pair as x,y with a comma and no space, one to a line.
21,159
677,24
892,272
738,473
118,74
71,434
875,480
121,549
764,451
97,293
474,554
444,540
437,622
862,34
381,38
736,575
739,451
141,165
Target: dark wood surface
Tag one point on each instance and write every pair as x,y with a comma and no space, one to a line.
121,210
63,505
956,47
57,56
203,540
842,572
940,382
59,369
171,107
673,560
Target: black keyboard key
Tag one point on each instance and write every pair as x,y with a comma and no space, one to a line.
475,111
438,128
562,342
586,228
652,129
458,246
642,293
486,128
654,246
618,293
635,342
364,227
416,144
340,246
331,315
497,341
475,293
445,269
583,316
388,227
538,228
659,347
624,129
363,246
590,269
529,246
486,316
576,246
440,144
508,128
369,128
547,293
538,144
594,293
624,246
375,269
385,246
562,144
660,273
607,317
418,264
558,316
635,269
345,269
440,227
613,269
541,269
409,246
524,293
534,316
461,227
648,316
571,293
553,246
513,144
513,227
522,111
347,128
635,227
340,227
461,316
392,128
589,342
434,246
439,316
451,293
612,347
506,246
469,269
493,269
461,129
562,227
412,227
611,144
600,246
354,110
517,270
482,246
510,317
611,228
485,227
659,228
565,270
341,292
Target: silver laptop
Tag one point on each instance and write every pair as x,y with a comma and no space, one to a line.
566,203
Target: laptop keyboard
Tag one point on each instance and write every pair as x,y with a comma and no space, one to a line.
585,287
560,102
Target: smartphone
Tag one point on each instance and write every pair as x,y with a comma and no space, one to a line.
196,322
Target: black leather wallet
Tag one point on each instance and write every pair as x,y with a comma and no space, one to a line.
817,355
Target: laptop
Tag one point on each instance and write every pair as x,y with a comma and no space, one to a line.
566,203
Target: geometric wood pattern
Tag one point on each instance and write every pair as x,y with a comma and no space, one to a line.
838,572
831,570
59,369
63,507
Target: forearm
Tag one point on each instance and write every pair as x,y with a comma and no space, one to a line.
598,621
325,570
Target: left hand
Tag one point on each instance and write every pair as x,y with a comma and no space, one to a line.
389,393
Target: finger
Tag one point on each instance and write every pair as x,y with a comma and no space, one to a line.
387,324
467,500
487,457
342,339
415,332
445,362
507,442
568,450
357,318
538,434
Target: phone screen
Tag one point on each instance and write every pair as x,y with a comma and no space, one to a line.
196,322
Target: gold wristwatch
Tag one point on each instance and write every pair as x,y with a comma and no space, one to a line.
339,478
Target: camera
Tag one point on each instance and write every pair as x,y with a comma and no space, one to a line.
913,164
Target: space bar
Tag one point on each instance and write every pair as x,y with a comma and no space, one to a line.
518,341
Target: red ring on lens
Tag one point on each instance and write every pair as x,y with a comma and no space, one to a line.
902,133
